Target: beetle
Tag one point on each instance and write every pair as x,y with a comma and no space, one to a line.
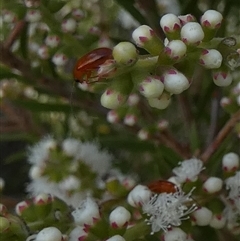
162,186
89,63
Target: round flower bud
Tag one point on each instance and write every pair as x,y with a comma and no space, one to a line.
145,37
192,33
133,99
43,52
116,238
112,116
42,198
112,99
20,207
52,41
230,162
139,195
59,59
170,23
225,102
186,18
78,233
125,53
35,172
143,134
175,82
33,15
119,217
161,102
213,185
218,221
222,78
176,49
202,216
69,25
4,224
175,234
142,34
86,213
130,120
32,3
8,16
210,59
151,87
211,19
49,234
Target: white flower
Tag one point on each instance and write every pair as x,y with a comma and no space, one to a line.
167,210
39,153
233,183
71,146
86,213
188,170
70,183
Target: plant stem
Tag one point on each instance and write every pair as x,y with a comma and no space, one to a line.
227,128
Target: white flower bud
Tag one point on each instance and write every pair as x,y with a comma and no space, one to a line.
125,53
71,146
20,207
52,41
32,3
186,18
112,99
130,120
42,198
69,25
59,59
77,233
49,234
143,134
176,49
175,82
225,101
86,213
43,52
142,34
170,23
161,102
213,185
222,78
133,99
139,195
218,221
112,116
230,162
211,19
78,14
175,234
151,87
8,16
211,59
33,15
116,238
202,216
192,33
119,217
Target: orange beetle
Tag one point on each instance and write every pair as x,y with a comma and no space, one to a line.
162,186
90,62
